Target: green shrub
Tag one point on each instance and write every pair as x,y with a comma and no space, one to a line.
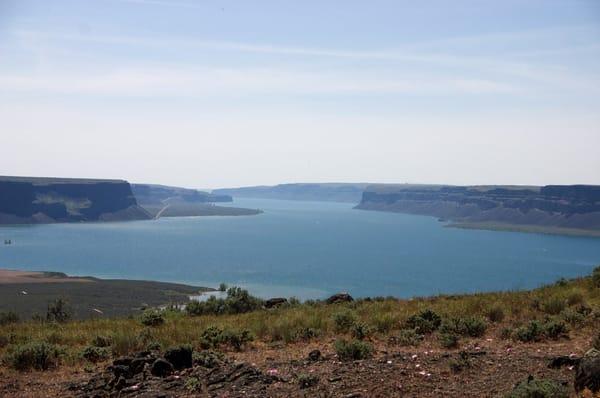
533,331
495,314
222,287
555,329
360,331
207,358
238,301
448,340
307,333
101,341
8,317
58,311
462,362
153,346
470,326
575,297
384,323
424,322
538,388
353,350
343,320
307,380
596,277
95,354
37,355
409,337
237,338
572,317
193,384
152,318
211,337
553,306
506,333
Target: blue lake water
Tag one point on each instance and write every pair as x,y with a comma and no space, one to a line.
304,249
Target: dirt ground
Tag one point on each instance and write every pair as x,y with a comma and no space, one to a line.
493,366
13,276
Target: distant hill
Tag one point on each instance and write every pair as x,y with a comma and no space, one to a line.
166,201
552,208
334,192
31,200
150,194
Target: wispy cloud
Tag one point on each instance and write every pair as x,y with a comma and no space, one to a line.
186,82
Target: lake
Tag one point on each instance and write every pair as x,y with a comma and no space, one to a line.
304,249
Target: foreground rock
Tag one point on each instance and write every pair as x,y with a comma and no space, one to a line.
588,372
275,302
340,298
153,376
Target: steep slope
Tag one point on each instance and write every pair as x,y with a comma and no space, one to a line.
30,200
566,207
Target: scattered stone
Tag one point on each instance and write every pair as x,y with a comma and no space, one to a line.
340,298
587,374
161,368
275,302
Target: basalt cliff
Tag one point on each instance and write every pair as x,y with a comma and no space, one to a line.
551,208
33,200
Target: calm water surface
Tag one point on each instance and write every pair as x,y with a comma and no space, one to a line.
306,249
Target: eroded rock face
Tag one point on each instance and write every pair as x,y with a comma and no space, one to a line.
588,372
340,298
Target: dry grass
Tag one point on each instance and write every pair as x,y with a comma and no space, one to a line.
385,317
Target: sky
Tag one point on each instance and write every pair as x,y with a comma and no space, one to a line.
211,94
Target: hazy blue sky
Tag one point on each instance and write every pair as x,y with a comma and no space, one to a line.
228,93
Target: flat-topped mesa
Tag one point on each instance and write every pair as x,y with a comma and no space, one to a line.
556,206
32,200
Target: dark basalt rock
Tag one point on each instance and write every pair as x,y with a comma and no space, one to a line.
314,355
275,302
161,368
564,360
180,357
340,298
588,372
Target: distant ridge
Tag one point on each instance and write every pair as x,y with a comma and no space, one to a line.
334,192
551,208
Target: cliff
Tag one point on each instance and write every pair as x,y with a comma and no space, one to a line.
334,192
31,200
574,207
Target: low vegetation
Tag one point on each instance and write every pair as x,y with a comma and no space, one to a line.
239,320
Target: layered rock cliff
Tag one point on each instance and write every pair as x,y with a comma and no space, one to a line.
30,200
557,206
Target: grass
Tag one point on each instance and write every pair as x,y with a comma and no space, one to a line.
526,316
